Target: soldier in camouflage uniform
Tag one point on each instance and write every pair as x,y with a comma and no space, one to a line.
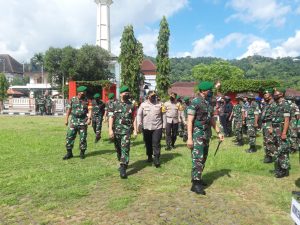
280,124
186,101
266,118
97,116
293,124
297,102
238,120
48,105
41,102
199,121
80,110
121,121
251,122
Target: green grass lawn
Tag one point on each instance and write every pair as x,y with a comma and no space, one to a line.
38,187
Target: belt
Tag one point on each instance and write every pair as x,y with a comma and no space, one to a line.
276,124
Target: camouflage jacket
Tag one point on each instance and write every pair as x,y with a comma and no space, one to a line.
109,107
252,111
202,111
237,112
281,111
267,111
79,110
48,101
294,111
123,114
98,108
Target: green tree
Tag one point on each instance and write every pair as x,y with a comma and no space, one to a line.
52,60
131,57
219,70
162,59
4,85
68,62
92,64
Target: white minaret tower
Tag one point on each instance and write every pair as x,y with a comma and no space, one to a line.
103,23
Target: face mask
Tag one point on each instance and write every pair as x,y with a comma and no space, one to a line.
276,97
172,98
210,94
125,97
153,98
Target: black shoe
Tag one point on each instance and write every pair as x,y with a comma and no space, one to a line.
252,149
282,173
173,147
184,139
268,159
197,188
239,143
202,183
123,174
69,155
156,161
150,159
168,148
82,155
97,139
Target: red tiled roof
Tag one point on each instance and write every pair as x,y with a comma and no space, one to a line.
183,88
292,92
148,67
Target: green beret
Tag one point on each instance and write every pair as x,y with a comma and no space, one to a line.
124,88
281,90
269,91
111,95
178,97
186,99
97,95
205,85
81,88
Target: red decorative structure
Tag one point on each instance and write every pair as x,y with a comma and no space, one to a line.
72,89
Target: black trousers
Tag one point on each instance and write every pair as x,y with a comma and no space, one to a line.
171,133
152,140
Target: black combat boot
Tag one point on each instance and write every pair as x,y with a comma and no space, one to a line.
268,159
173,146
282,173
69,155
156,161
197,187
252,149
123,174
240,143
97,139
184,139
203,183
82,155
150,159
168,148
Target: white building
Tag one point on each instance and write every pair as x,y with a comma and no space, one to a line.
148,69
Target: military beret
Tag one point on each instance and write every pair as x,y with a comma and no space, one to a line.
124,88
178,97
81,88
281,89
205,85
97,95
186,99
111,95
268,91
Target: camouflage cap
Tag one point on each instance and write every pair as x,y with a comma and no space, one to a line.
81,88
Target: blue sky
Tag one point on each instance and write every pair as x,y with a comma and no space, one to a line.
227,29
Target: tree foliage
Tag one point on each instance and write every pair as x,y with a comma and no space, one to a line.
4,85
162,59
131,57
219,70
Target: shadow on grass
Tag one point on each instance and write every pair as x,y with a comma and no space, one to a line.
141,164
97,152
297,182
210,177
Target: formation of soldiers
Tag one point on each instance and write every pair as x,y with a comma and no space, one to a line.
44,105
192,120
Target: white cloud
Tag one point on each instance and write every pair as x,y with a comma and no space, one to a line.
298,10
149,40
290,47
266,13
33,26
207,45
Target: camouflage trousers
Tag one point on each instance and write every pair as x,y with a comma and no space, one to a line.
42,110
71,135
293,132
251,132
199,153
268,138
122,146
97,126
282,149
238,125
185,133
49,110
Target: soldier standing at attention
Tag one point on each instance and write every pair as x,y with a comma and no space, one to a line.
293,124
97,115
80,110
48,105
280,124
266,118
186,101
170,109
199,121
238,120
109,104
251,122
121,121
150,119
